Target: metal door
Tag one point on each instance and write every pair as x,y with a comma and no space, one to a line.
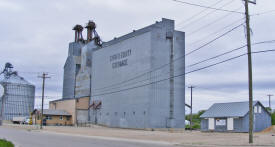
211,124
230,124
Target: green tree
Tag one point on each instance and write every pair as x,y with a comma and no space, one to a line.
268,109
5,143
196,120
273,118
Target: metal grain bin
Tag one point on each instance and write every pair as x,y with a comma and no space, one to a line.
18,97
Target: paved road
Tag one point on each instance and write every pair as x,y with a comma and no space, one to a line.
24,138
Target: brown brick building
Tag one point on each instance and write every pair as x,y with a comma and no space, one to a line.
52,117
78,108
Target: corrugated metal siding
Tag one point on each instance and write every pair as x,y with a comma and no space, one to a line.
69,78
83,82
82,116
75,49
235,109
83,78
204,124
241,124
71,68
147,106
262,120
119,108
18,99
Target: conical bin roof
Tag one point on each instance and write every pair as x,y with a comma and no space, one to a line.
14,79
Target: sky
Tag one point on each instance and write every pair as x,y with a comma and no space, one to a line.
35,35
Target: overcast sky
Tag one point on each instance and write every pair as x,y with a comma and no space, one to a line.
35,35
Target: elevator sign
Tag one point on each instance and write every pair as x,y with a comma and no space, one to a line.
120,59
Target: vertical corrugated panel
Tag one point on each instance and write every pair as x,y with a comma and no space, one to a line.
141,102
18,100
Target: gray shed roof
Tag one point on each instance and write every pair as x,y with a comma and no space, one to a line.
55,112
234,109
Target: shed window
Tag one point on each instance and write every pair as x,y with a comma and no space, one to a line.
255,109
68,117
61,117
220,122
48,117
260,109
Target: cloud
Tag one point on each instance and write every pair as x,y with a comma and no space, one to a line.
35,36
10,6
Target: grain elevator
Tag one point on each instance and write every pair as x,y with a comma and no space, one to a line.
132,77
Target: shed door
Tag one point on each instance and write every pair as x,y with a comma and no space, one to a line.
211,124
230,124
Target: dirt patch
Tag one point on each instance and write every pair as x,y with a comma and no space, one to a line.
271,129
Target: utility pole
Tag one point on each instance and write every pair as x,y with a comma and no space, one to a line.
249,70
191,108
269,96
44,76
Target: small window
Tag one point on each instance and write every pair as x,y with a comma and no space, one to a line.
255,109
48,117
220,122
68,117
260,109
61,117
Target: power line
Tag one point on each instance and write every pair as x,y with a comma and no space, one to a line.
270,41
214,39
179,75
197,14
221,29
14,104
36,97
204,16
30,72
205,60
211,23
208,7
262,13
164,65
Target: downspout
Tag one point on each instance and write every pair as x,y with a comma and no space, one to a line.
89,118
169,36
